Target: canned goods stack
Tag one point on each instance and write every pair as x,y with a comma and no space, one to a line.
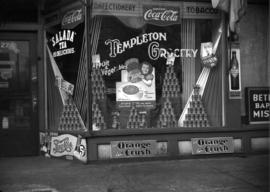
170,87
70,119
196,115
98,93
167,116
97,117
136,119
98,85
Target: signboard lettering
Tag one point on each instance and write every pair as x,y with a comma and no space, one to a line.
212,145
161,15
154,49
63,145
61,39
258,104
72,18
131,149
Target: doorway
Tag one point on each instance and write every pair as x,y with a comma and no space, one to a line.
18,94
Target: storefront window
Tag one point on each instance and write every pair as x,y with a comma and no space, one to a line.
67,73
153,72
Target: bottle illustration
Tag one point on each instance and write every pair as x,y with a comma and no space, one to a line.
5,123
234,72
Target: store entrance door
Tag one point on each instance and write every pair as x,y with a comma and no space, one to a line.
18,90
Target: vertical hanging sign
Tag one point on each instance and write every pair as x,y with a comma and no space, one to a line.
235,74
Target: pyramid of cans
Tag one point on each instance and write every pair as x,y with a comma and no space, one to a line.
170,87
70,119
167,117
98,93
136,119
97,117
196,116
98,85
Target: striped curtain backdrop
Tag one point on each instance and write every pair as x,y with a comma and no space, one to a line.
81,92
55,99
209,80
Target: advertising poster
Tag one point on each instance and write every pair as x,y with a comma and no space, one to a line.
258,105
235,75
65,43
137,85
68,145
131,149
63,145
213,145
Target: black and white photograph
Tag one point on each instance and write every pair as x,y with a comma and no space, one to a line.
134,96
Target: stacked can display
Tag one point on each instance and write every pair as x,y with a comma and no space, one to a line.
70,119
167,117
196,116
170,87
136,119
98,85
170,91
97,117
98,94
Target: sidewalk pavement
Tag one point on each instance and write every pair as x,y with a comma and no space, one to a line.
227,174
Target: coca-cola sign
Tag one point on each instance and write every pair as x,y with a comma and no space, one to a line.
161,16
72,18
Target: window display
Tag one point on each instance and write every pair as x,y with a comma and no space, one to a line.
155,70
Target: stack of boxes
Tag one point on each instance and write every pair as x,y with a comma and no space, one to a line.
196,115
70,119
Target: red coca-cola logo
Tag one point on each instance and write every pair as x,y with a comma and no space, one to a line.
161,16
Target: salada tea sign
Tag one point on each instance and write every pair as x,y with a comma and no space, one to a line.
131,149
213,145
258,104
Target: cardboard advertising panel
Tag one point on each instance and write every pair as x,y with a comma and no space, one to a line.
213,145
131,149
68,145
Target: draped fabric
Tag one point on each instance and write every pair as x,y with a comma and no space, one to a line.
235,8
55,100
81,93
188,64
212,96
210,80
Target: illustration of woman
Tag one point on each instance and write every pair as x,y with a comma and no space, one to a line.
146,73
